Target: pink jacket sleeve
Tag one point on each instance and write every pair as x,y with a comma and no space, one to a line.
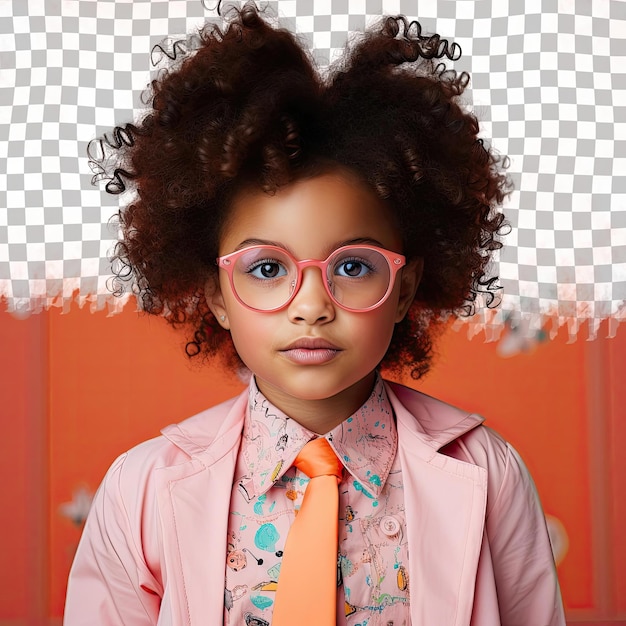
110,583
523,564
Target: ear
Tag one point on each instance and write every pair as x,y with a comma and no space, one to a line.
215,300
410,277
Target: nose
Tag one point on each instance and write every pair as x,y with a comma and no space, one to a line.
312,304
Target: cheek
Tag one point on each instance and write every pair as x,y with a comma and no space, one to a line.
251,333
374,330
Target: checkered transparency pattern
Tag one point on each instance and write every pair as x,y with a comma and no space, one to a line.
548,83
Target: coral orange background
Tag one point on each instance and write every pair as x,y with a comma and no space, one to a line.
78,389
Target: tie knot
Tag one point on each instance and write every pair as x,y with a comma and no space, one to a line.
317,458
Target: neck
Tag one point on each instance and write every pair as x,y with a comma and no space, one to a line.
320,415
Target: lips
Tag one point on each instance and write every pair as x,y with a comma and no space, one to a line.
310,351
311,343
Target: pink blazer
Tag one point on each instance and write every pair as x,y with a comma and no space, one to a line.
153,548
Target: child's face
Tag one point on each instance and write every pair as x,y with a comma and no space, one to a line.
311,218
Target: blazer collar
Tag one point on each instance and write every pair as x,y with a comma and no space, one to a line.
432,421
205,436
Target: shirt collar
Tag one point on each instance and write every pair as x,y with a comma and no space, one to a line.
366,442
270,442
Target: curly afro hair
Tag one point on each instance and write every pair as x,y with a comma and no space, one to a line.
248,106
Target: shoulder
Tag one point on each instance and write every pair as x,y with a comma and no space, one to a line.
434,422
179,444
481,446
442,424
459,434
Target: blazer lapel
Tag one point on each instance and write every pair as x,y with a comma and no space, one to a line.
194,501
445,501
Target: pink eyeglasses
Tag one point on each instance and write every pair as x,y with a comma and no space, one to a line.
267,278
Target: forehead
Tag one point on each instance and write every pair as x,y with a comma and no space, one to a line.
310,217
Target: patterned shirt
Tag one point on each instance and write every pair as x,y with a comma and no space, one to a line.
373,586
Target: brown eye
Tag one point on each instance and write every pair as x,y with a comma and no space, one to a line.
352,268
267,269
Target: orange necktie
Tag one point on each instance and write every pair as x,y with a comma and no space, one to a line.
307,585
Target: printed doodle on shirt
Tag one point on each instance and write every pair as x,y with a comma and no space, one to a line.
236,560
266,538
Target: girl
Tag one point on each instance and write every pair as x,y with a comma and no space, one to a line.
313,229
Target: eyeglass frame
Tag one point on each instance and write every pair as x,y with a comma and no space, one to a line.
395,261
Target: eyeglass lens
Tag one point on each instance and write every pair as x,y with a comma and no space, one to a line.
265,278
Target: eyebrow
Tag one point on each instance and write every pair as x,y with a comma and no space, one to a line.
277,244
260,242
365,240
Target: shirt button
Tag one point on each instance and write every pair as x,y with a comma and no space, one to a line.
390,525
